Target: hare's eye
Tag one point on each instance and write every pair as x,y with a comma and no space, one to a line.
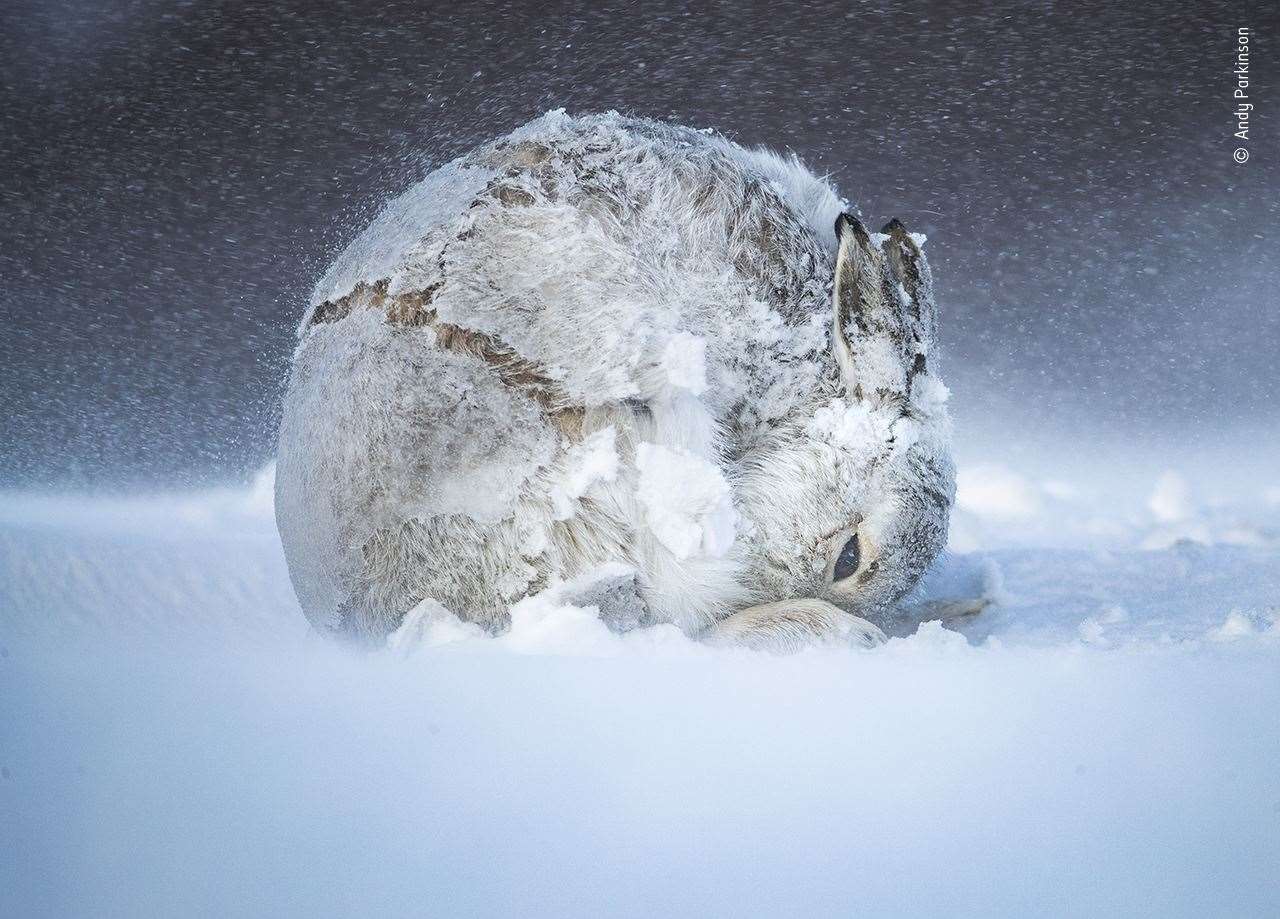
847,562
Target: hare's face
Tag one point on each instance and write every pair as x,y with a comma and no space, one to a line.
850,504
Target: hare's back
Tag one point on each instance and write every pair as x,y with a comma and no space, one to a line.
592,248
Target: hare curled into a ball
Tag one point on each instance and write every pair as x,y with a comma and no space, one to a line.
627,356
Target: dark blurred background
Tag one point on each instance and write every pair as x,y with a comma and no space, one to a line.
175,174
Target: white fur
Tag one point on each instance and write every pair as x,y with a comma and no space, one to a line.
669,295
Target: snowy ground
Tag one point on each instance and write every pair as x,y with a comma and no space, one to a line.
1103,741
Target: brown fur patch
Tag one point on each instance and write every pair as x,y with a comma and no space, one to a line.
525,153
406,310
512,369
413,310
364,296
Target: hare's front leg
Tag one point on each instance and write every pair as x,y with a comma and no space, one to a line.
788,626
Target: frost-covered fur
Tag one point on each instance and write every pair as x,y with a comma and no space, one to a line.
605,340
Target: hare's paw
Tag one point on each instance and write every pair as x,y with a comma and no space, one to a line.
956,613
792,625
612,589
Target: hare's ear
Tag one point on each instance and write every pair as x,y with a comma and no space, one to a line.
884,313
911,268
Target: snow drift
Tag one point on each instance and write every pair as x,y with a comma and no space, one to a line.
1103,741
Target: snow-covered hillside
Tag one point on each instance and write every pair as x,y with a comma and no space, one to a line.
1103,740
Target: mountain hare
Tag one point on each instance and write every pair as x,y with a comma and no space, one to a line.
610,345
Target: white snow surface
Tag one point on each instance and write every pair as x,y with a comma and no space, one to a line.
1103,740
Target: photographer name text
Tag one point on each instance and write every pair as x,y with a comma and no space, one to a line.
1243,102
